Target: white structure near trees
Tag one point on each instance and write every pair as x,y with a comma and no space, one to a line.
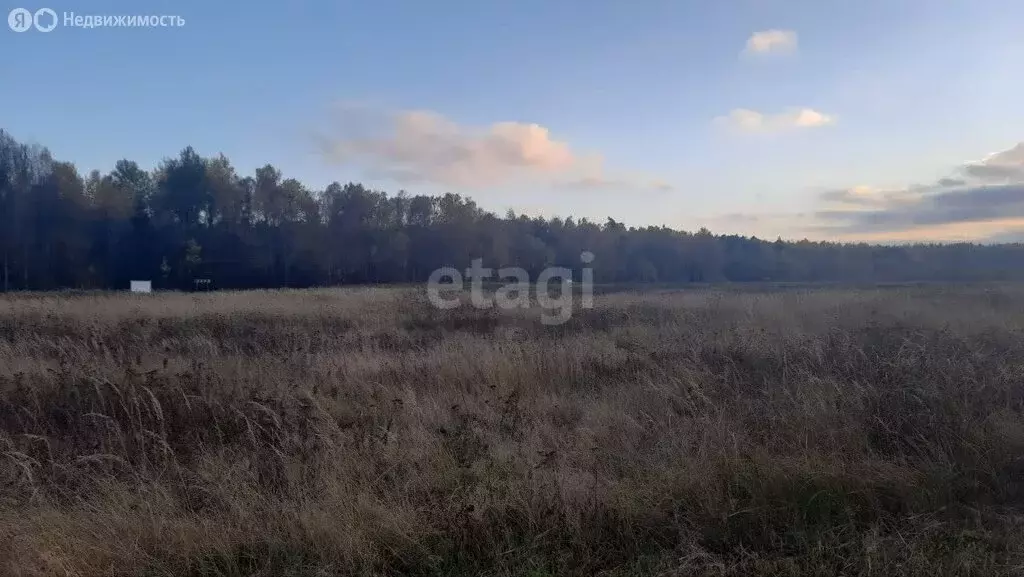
142,286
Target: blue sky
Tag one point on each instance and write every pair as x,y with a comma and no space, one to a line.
824,119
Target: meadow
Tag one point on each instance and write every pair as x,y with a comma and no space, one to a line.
702,432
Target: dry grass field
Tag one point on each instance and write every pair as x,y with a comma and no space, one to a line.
362,432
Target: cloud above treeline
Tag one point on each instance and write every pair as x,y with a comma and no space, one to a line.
980,199
746,120
771,41
420,146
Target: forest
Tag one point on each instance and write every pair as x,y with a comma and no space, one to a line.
194,217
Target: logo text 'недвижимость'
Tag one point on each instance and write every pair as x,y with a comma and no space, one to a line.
47,19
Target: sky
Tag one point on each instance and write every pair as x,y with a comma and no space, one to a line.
877,120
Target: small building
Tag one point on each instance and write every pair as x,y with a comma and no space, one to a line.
141,286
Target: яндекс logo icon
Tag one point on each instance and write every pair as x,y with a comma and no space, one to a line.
20,20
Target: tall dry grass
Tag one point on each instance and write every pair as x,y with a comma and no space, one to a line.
361,432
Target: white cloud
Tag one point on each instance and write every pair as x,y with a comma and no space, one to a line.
424,146
865,197
981,199
747,120
807,118
1004,166
766,41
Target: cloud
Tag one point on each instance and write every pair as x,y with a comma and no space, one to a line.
859,195
863,197
768,41
979,200
419,146
747,120
1005,166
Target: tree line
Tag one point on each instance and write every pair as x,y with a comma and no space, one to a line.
194,217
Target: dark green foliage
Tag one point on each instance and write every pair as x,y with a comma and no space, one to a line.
195,218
